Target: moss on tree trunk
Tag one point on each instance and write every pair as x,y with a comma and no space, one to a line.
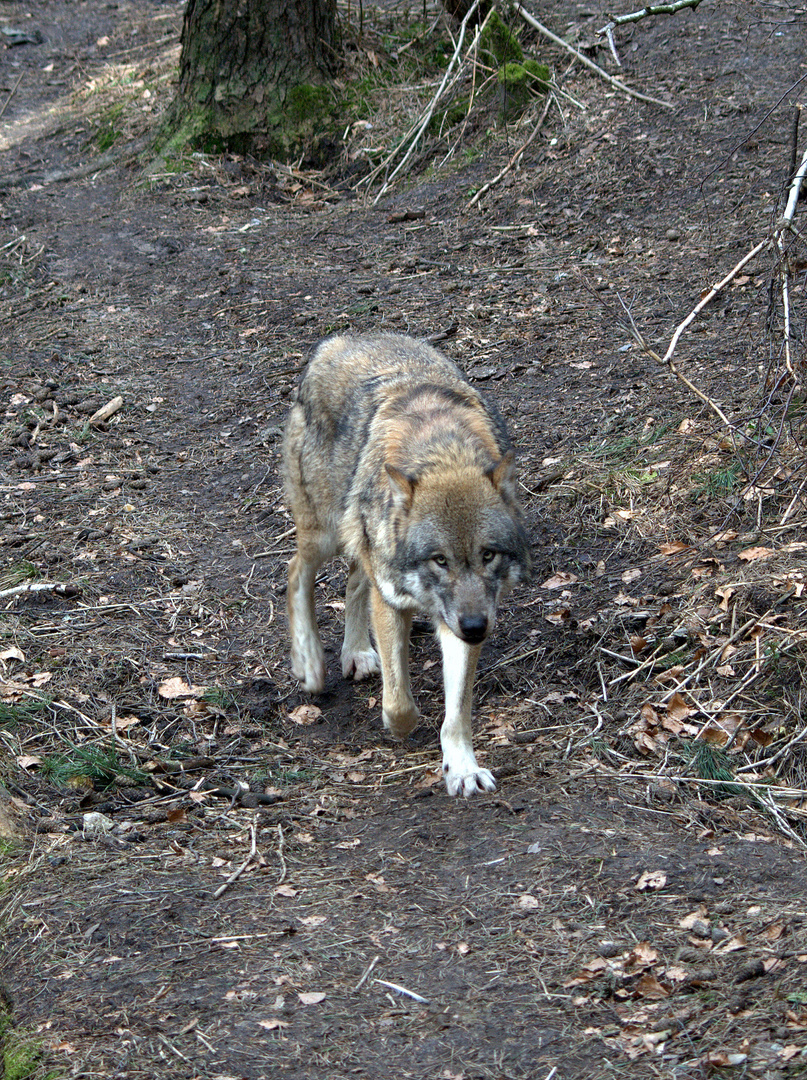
254,76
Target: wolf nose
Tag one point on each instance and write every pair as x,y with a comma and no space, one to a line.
473,628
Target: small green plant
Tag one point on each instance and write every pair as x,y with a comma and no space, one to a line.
220,698
107,132
17,573
717,484
98,765
293,776
20,1053
630,444
711,762
27,710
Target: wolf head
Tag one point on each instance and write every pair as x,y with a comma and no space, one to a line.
459,544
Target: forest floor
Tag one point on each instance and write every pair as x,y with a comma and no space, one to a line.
632,898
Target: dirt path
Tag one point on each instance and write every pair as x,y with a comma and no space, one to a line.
598,913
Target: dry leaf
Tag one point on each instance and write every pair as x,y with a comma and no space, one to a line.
26,761
651,879
645,743
273,1024
590,971
677,708
122,723
733,944
725,594
178,688
674,548
305,714
753,554
649,987
642,955
12,654
527,902
559,580
286,890
312,997
688,921
649,715
719,1059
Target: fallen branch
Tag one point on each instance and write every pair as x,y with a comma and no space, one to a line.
634,16
616,83
55,587
100,416
651,9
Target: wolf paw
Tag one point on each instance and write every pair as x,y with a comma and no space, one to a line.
359,664
468,783
308,665
400,720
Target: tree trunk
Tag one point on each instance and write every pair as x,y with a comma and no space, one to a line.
253,74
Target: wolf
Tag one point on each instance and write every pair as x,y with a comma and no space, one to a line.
392,460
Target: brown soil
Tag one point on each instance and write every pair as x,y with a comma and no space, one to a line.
617,904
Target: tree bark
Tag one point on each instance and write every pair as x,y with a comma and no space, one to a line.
255,73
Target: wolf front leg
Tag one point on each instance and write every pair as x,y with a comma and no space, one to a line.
359,658
462,773
391,629
307,654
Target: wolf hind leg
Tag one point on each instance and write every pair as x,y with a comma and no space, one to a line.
307,654
391,629
461,771
359,658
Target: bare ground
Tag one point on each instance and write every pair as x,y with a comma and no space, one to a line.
633,896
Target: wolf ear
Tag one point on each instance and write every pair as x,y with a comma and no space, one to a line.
502,472
403,486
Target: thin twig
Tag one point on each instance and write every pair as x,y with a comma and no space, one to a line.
784,263
667,359
402,990
11,94
516,158
417,131
714,655
237,873
280,854
366,974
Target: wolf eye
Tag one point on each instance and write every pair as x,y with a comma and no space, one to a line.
488,556
441,560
